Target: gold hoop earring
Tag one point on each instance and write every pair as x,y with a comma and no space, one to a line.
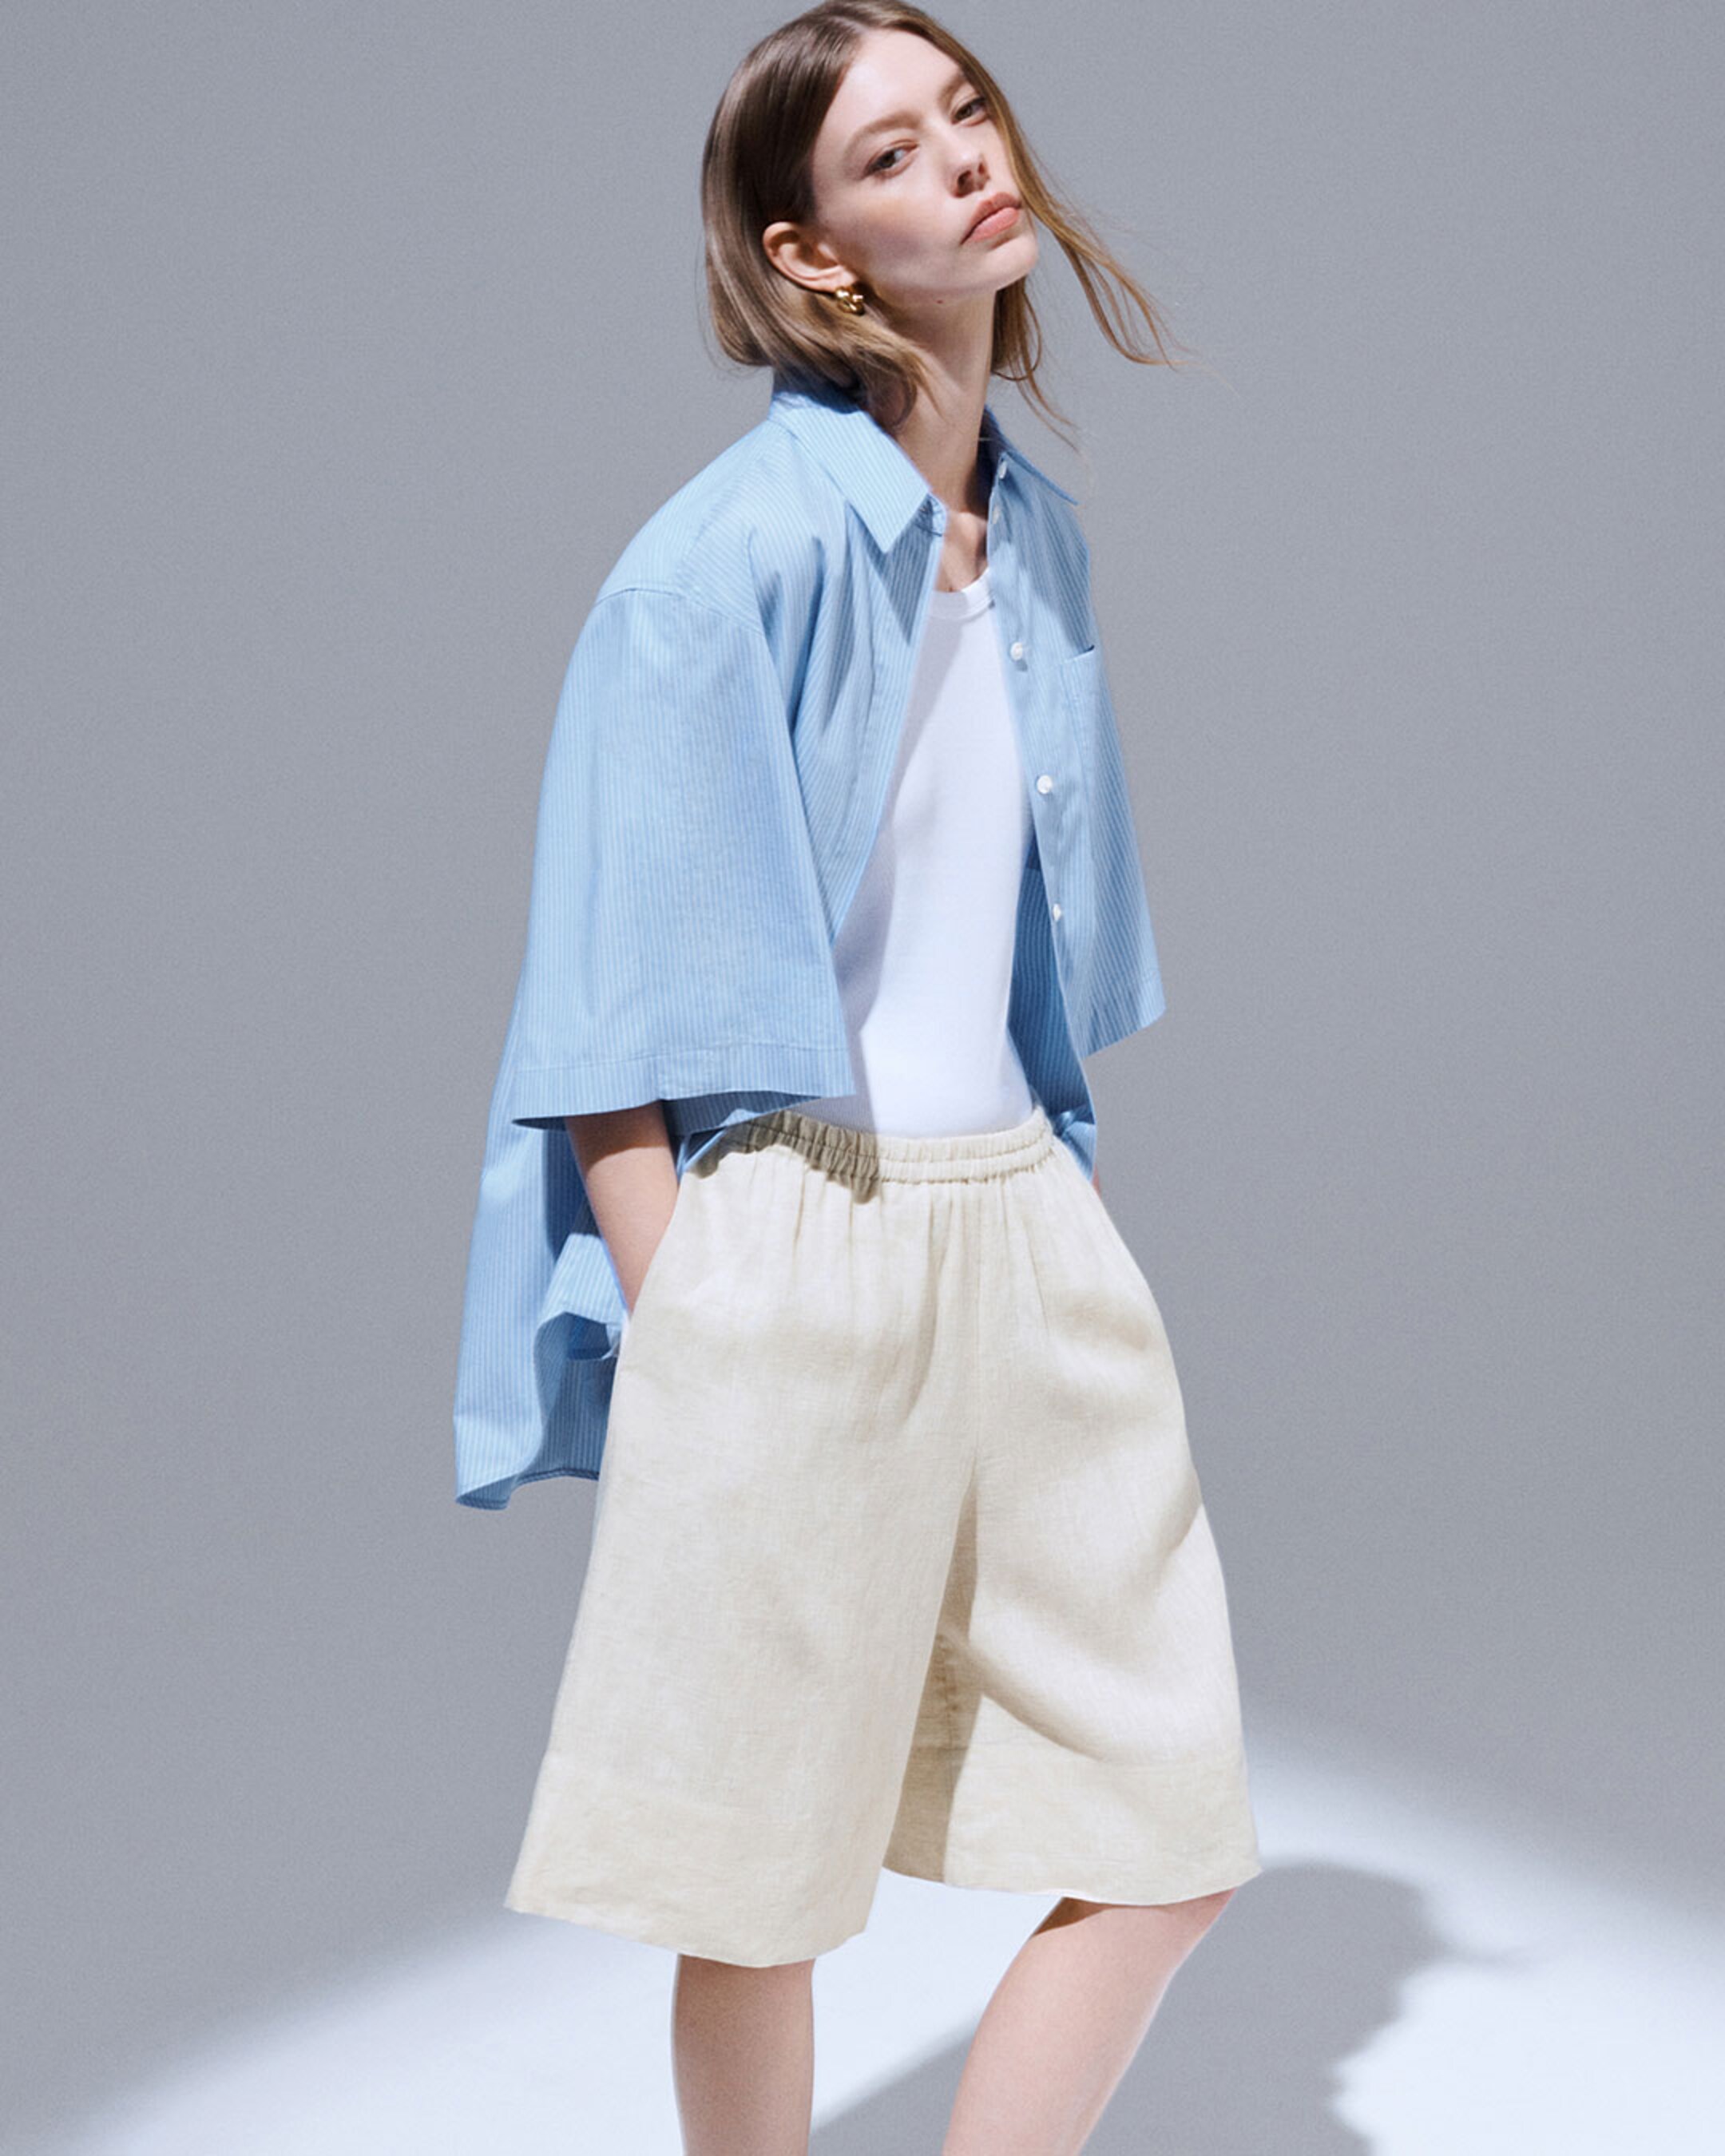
849,298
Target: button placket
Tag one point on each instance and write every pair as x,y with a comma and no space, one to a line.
1019,651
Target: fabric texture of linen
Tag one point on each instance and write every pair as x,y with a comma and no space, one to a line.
728,724
899,1557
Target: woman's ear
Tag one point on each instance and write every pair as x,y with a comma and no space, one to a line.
805,261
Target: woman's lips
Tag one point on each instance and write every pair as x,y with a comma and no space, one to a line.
999,221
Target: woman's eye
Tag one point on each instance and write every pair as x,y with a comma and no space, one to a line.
977,103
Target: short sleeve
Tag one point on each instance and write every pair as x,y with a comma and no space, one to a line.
676,939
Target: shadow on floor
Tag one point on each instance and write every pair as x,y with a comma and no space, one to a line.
1304,1967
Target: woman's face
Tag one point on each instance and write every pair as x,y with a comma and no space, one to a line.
907,154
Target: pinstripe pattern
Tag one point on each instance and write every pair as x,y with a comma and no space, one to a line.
717,768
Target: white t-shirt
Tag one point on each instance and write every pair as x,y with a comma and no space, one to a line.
925,956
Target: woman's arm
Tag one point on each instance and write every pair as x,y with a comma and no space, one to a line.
631,1172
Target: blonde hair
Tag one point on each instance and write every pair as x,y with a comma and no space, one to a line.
756,169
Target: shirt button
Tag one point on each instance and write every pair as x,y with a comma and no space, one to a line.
1044,784
1056,909
994,513
1017,650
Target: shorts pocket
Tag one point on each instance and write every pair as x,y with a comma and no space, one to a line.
1114,1245
655,1282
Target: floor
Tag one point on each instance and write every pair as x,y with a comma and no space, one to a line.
1403,1979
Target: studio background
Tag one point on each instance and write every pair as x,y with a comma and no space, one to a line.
345,349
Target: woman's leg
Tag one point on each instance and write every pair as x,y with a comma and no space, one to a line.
1065,2023
743,2052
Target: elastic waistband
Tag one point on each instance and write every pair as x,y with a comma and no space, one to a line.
890,1156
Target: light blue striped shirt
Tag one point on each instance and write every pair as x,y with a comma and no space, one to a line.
718,767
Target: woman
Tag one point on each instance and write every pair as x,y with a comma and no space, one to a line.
788,1233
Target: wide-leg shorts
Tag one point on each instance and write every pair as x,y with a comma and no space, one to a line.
899,1557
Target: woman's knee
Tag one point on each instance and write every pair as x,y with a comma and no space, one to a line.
1188,1920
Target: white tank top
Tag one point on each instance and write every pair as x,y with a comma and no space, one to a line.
925,956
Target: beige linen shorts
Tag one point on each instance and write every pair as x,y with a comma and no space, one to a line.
899,1557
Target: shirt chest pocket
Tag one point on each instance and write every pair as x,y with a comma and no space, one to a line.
1086,709
1081,682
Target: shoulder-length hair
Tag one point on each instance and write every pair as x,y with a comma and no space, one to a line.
756,169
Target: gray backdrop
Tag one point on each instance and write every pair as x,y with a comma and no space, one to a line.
345,350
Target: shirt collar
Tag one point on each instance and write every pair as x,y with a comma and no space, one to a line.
880,480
